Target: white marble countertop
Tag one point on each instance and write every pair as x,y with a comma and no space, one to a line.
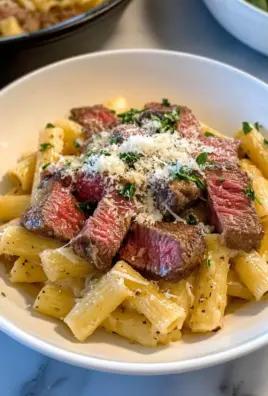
183,25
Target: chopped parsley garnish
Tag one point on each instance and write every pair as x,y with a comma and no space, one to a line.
201,159
76,144
114,140
129,117
249,191
165,102
265,142
192,219
104,152
130,158
49,125
258,126
247,128
45,146
85,206
208,134
128,191
45,166
208,263
112,111
188,175
168,120
221,179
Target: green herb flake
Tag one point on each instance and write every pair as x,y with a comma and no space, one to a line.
45,147
188,175
85,206
49,125
114,140
201,159
76,144
221,179
168,121
112,111
265,142
105,153
249,191
208,263
129,117
246,127
258,126
130,158
45,166
209,134
165,102
192,219
128,191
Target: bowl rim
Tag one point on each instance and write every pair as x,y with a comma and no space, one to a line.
56,352
253,8
63,26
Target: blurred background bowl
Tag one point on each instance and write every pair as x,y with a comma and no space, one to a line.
59,30
246,22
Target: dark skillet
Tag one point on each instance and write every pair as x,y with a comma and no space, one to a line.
59,30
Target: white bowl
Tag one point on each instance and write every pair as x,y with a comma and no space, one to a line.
246,22
220,96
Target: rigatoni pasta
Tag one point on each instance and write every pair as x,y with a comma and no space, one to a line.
211,288
12,206
103,298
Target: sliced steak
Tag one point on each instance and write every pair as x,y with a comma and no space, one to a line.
164,251
224,150
175,196
232,212
188,125
124,131
94,118
56,214
156,109
90,187
100,239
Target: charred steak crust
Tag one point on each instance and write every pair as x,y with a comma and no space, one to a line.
232,212
94,118
100,239
175,196
164,251
56,214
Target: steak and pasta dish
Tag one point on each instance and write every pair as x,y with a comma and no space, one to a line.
143,222
26,16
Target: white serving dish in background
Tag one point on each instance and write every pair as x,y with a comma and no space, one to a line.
246,22
220,96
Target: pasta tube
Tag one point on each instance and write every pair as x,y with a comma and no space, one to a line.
28,271
211,288
12,206
163,313
252,269
96,305
64,263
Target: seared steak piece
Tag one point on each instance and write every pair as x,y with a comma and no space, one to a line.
94,118
225,150
188,125
175,196
155,108
164,251
100,239
124,131
56,214
232,211
89,187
